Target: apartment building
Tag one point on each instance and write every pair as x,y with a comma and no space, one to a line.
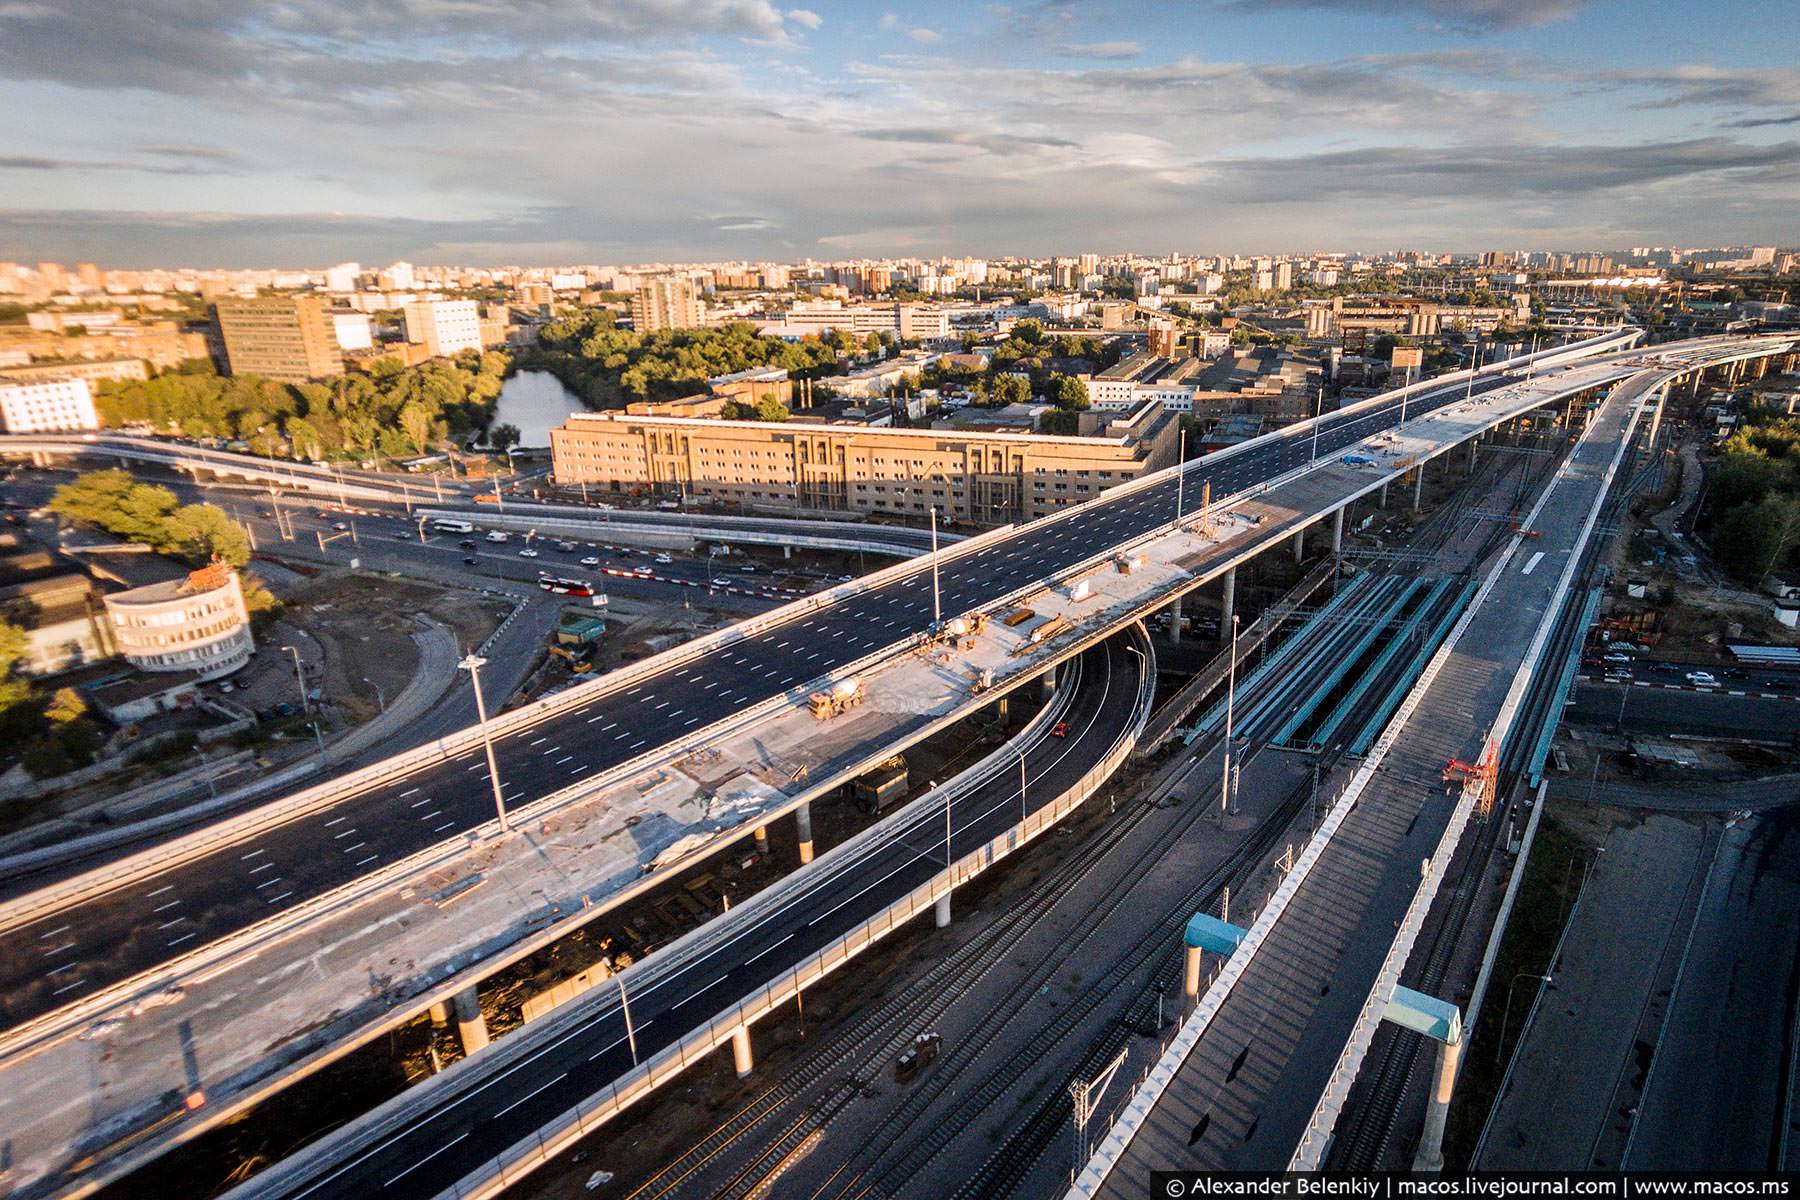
47,406
290,338
972,476
1167,381
444,327
665,302
194,623
908,322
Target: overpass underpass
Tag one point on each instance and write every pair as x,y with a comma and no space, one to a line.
1278,512
687,1002
1256,1075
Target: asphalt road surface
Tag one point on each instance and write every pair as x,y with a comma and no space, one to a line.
110,937
1719,1096
460,1135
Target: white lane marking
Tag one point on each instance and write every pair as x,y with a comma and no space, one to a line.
530,1094
402,1175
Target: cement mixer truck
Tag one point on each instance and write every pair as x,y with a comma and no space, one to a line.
840,697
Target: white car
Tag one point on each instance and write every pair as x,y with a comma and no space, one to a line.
528,552
592,560
663,560
1702,679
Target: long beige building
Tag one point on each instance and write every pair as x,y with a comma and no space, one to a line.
290,338
974,476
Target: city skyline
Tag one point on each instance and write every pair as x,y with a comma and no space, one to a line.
696,130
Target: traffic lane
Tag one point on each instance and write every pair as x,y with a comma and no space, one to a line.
460,1136
1674,709
1719,1075
1662,671
151,921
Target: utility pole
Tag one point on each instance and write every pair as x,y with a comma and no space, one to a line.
1318,408
937,612
473,663
299,677
1230,699
1180,472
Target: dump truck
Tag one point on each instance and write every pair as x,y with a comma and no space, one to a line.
840,697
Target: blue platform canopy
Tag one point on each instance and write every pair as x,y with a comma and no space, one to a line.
1210,933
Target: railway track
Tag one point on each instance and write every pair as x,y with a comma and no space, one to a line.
1364,1140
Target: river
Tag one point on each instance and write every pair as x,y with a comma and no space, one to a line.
535,401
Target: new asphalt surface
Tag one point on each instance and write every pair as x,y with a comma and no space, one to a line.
462,1133
113,936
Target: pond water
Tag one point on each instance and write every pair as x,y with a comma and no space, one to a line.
535,401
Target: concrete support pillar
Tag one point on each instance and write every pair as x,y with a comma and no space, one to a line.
1000,709
1300,545
1337,530
440,1015
1418,486
1381,497
1049,682
740,1051
803,832
762,839
1437,1109
1227,602
1190,976
1175,620
941,915
470,1024
1472,442
787,551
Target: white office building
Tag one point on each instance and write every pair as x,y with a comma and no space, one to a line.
50,406
446,327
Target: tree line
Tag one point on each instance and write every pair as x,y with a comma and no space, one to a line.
1753,496
387,410
608,366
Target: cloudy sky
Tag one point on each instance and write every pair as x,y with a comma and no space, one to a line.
240,132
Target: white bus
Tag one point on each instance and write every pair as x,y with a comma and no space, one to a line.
444,526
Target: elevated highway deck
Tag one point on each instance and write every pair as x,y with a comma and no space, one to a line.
1256,1075
751,673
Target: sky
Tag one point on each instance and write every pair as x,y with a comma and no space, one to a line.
234,133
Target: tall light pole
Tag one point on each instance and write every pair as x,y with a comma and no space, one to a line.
380,696
1474,366
1230,700
1180,472
300,678
473,663
937,609
1024,810
1318,410
1506,1018
625,1007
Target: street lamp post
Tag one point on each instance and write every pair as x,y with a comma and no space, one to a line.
1230,701
1180,472
472,664
937,611
380,696
300,678
1024,809
1318,410
1506,1017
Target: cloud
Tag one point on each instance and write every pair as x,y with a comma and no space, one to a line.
805,17
889,21
1475,16
994,143
1099,50
30,162
925,37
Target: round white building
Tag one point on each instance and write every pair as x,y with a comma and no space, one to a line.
198,623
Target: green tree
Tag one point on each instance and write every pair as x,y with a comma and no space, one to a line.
1063,422
1008,389
202,532
1758,537
419,424
771,409
1068,392
66,706
502,436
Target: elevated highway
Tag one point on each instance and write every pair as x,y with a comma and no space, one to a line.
1259,1071
1290,480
